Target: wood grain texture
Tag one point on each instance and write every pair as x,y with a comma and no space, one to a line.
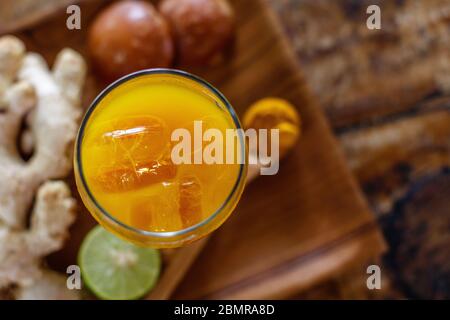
18,14
291,230
386,93
419,234
361,74
386,158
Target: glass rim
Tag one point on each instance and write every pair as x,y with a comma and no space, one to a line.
103,94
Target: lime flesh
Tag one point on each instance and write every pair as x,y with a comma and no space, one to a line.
115,269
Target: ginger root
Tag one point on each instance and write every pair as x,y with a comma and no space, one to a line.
49,101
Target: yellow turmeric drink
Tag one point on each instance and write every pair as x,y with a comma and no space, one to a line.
141,167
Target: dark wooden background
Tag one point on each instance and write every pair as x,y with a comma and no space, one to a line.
387,95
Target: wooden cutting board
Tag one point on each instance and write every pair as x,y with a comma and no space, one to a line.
301,226
290,230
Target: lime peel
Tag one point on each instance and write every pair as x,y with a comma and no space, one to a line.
114,269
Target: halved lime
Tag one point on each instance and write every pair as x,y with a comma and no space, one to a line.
115,269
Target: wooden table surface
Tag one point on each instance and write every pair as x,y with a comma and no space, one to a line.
387,94
291,230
